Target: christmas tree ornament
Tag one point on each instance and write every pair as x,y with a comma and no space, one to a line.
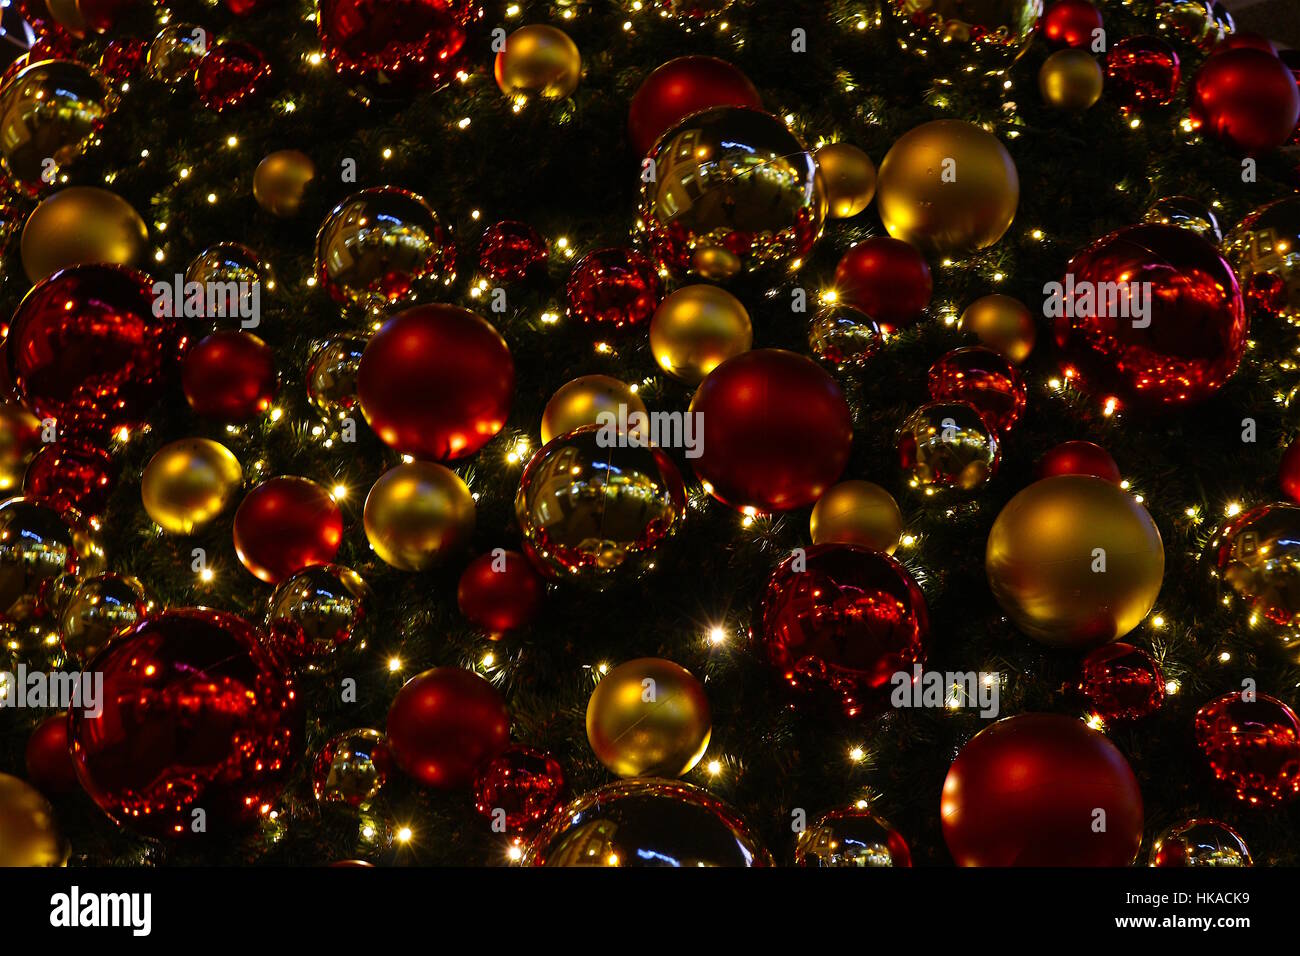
1185,20
1188,213
20,440
886,278
1262,249
436,381
857,512
646,822
1152,313
1246,99
1246,40
1074,561
844,337
736,180
958,38
1121,682
67,15
596,511
123,59
922,201
983,378
1003,324
81,224
352,768
196,715
29,833
280,181
1026,791
175,52
1288,475
445,725
776,431
1070,80
229,376
314,612
332,375
72,475
649,718
512,252
499,592
1252,747
286,524
584,400
1071,23
680,88
188,483
48,763
100,608
1200,842
539,60
49,110
850,837
215,268
696,329
841,620
947,446
396,46
612,288
1142,72
41,544
382,247
1254,559
1078,458
231,74
849,178
417,515
518,789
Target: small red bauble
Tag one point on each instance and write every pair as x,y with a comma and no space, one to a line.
1289,472
1247,99
519,788
776,431
72,475
1079,458
436,382
1026,791
242,8
614,288
500,592
123,59
229,376
1070,23
1142,72
284,525
680,87
445,724
1252,746
511,252
231,73
397,44
886,278
49,763
1121,682
983,378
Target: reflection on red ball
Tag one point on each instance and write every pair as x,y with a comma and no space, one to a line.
1289,472
1247,99
1121,682
512,251
519,789
284,525
1079,458
1252,746
500,592
71,474
1070,23
231,73
123,59
886,278
1142,72
445,724
614,288
680,87
983,378
398,44
49,763
229,376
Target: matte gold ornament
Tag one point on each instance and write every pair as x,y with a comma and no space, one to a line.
583,400
1075,561
280,181
417,514
29,834
857,512
49,110
1264,250
1070,80
649,718
948,187
81,224
1187,213
539,59
175,51
20,440
100,608
849,178
962,37
696,329
1003,324
188,483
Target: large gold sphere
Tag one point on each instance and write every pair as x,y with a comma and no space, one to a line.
20,440
417,514
1075,561
81,224
948,187
582,400
857,512
280,181
1264,250
539,59
848,176
49,110
188,483
958,38
1003,324
696,329
29,834
649,718
1070,80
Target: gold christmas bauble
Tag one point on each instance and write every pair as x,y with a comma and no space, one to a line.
1003,324
20,440
417,514
100,608
1070,80
1075,561
649,718
175,52
696,329
188,483
948,187
43,550
1186,212
539,59
958,38
581,401
849,177
230,262
29,834
857,512
81,224
49,110
1264,250
281,180
332,375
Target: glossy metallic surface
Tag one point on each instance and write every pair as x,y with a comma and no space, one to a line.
947,446
50,110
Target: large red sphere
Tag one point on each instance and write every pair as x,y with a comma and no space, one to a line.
1247,99
1079,458
436,382
284,525
680,87
886,278
49,763
1141,72
72,474
445,724
500,592
613,288
776,431
1253,747
401,44
229,376
1288,473
1070,23
1029,790
196,715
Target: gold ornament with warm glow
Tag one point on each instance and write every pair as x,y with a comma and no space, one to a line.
188,483
857,512
50,110
417,514
1070,80
649,718
20,440
849,177
1003,324
175,52
1264,250
100,608
696,329
580,401
280,181
29,834
539,59
81,224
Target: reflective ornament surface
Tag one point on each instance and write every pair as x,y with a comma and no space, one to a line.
584,400
1003,324
396,47
519,788
983,378
175,52
1121,682
947,446
851,837
72,475
1186,20
1252,747
1070,23
965,36
50,109
844,337
20,440
1200,842
99,608
417,514
512,251
231,74
613,288
857,512
1264,249
538,60
284,525
351,768
228,262
1255,560
681,87
1188,213
445,725
229,376
697,328
188,483
38,545
332,375
29,832
81,224
1142,72
649,718
315,612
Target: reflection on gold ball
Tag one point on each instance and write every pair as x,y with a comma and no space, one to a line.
715,262
20,440
78,225
1264,250
417,514
962,38
849,176
188,483
50,110
1003,324
280,181
696,329
857,512
579,402
67,14
29,835
539,59
1070,80
649,718
98,609
1075,561
175,51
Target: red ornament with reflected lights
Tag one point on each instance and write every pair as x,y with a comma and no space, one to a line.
395,45
284,525
49,764
1121,682
1070,23
1142,72
1252,747
511,252
680,87
500,592
1289,472
229,376
983,378
886,278
520,788
230,74
1247,99
71,474
123,59
613,288
1078,458
445,725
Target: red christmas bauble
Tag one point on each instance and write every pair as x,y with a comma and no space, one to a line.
1121,682
680,87
886,278
72,474
1252,746
500,592
613,288
1246,99
123,59
843,620
1025,791
284,525
1289,471
983,378
231,73
397,45
519,788
84,348
1142,72
242,8
776,431
1171,348
1079,458
436,382
102,15
511,252
445,724
49,763
196,715
1244,40
229,376
1070,23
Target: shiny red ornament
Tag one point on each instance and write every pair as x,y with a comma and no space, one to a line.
1142,72
1078,458
511,252
842,620
519,788
49,762
436,382
1244,40
983,378
1252,746
1070,23
242,8
886,278
446,724
230,74
613,288
776,431
1121,682
229,376
396,45
284,525
1173,347
500,592
72,475
85,348
680,87
1246,99
1289,471
196,715
1026,791
123,59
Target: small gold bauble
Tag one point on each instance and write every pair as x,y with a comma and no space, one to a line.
857,512
1264,250
417,514
696,329
849,177
20,440
539,59
649,718
188,483
716,263
280,181
583,400
81,224
1070,80
45,549
1003,324
175,52
29,834
98,609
